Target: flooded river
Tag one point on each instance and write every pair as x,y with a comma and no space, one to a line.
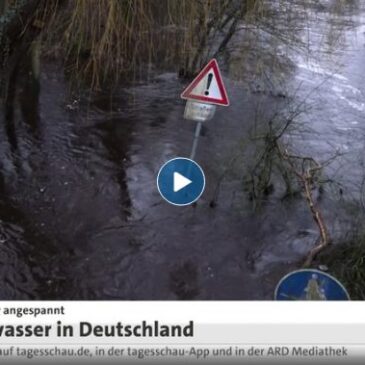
80,213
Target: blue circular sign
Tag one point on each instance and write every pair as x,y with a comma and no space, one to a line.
310,285
181,181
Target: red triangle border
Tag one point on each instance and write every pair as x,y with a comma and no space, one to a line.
212,64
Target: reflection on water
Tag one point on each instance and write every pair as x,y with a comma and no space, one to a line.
80,214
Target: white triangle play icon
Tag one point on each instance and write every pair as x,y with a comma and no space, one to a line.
180,182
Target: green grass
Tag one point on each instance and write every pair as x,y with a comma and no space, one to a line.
347,263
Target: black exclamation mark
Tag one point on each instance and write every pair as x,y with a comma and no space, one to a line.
210,78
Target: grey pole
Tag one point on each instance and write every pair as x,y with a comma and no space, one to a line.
196,140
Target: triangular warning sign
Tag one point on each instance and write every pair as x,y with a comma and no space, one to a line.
208,86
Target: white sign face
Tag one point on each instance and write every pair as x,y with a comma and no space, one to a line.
207,87
199,112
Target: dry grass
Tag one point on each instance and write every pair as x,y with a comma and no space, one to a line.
103,38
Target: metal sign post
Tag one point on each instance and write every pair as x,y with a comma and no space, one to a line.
196,140
203,94
181,181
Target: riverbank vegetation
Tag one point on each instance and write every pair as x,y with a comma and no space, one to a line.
105,42
346,261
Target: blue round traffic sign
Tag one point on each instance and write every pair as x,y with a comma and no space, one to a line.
310,284
181,181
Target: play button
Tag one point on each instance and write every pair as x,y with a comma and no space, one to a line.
181,181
